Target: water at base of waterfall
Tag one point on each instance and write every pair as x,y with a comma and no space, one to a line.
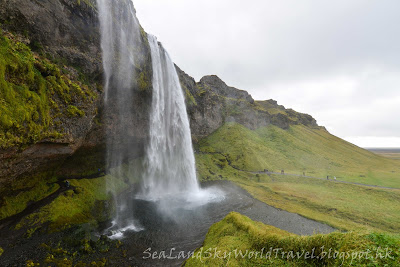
175,208
169,177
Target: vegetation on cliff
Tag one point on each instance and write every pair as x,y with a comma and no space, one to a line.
34,95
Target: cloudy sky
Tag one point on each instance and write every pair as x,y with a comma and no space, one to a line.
336,60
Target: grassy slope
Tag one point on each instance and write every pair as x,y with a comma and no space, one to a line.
237,232
301,149
344,206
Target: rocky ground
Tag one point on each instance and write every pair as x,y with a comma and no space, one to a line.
182,229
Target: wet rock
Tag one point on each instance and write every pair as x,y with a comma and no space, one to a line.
211,103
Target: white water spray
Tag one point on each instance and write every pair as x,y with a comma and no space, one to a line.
119,36
170,164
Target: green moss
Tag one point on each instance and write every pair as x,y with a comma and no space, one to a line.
143,81
15,204
89,3
31,263
143,34
200,90
237,232
1,251
16,197
75,248
88,202
232,109
32,92
190,100
75,112
71,207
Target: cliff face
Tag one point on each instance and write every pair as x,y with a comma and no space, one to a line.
66,29
65,69
60,134
64,36
211,103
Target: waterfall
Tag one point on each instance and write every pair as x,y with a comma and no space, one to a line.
119,36
168,171
119,31
169,161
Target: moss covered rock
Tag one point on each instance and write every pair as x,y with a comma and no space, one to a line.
35,94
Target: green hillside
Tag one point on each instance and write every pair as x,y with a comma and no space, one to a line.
234,152
299,149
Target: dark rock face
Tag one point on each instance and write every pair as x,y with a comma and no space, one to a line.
211,103
219,87
66,30
68,33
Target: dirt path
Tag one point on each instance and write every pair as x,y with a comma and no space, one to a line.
332,180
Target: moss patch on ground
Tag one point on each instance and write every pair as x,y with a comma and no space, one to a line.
13,204
88,202
239,241
300,149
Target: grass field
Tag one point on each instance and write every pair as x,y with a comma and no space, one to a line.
343,206
368,218
233,148
301,149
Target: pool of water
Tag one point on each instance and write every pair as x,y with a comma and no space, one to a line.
165,230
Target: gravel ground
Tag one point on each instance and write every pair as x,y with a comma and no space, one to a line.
170,227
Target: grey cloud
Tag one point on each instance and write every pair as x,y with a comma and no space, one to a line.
274,49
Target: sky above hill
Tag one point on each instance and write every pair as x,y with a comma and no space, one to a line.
338,61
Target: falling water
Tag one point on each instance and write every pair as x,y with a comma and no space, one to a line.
169,165
169,161
119,36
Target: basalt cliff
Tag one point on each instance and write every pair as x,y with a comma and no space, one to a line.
52,118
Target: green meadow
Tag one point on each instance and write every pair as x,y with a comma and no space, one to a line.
298,150
367,218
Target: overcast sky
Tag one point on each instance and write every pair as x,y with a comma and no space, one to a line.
338,61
